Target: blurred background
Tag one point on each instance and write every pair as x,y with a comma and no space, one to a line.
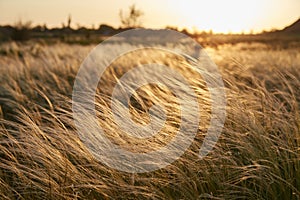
90,21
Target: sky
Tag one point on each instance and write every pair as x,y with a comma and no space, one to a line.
221,16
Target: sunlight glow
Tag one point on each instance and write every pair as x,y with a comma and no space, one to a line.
220,16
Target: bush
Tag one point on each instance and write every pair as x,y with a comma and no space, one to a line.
22,31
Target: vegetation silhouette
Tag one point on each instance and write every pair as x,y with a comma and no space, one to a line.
23,31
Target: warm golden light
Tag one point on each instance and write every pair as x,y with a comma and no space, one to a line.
220,16
223,16
233,15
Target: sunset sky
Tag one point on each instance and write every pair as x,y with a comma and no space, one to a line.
218,15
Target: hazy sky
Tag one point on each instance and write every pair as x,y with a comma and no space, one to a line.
218,15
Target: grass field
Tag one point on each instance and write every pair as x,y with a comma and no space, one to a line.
256,157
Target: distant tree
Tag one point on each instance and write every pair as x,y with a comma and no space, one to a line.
132,19
69,21
185,31
22,30
45,28
105,29
172,28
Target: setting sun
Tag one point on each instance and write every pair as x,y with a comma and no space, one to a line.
222,16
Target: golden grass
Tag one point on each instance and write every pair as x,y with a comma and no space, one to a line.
256,157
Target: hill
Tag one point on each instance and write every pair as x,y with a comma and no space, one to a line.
293,28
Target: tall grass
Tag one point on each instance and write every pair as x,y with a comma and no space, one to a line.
256,157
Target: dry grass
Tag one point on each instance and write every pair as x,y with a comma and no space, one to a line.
256,157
